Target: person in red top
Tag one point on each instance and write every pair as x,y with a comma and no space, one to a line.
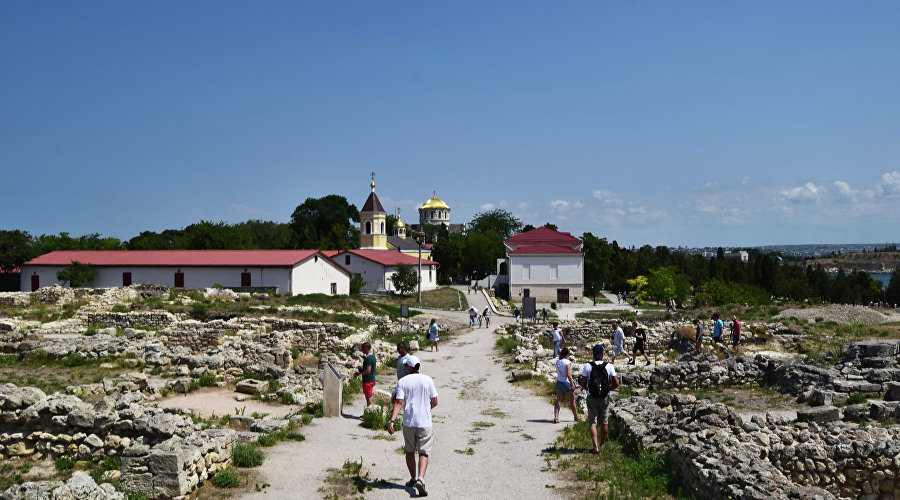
735,331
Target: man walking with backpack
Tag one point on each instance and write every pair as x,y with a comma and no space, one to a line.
598,378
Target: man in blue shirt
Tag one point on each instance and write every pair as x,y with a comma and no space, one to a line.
717,329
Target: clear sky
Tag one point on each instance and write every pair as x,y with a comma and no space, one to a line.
669,123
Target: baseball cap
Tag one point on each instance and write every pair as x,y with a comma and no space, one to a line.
412,361
598,351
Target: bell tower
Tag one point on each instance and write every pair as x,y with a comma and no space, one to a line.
372,219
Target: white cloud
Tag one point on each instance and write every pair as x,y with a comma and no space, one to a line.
522,206
242,210
558,205
487,206
804,193
637,210
578,204
844,189
732,220
503,203
889,187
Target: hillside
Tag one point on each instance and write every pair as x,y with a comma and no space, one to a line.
877,262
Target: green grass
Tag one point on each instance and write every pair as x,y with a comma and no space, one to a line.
247,455
377,417
506,345
351,388
612,473
207,380
226,478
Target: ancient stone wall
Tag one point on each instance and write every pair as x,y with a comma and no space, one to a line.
149,319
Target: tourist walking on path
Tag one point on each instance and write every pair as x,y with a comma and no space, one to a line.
433,334
558,339
402,354
698,333
735,331
367,371
717,329
618,342
565,386
417,396
516,313
472,314
487,317
598,378
544,313
640,339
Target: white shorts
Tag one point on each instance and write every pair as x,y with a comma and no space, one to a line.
618,350
418,439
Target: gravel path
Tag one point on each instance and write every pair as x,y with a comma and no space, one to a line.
505,426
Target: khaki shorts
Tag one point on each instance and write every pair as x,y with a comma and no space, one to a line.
597,410
418,439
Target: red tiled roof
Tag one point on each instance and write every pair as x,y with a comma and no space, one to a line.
544,248
186,258
544,234
390,257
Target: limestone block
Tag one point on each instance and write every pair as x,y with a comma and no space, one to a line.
893,391
248,386
268,425
83,419
521,374
240,422
166,462
93,441
819,414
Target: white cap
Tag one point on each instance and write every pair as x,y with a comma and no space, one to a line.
412,361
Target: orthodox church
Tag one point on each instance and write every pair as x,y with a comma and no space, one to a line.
379,253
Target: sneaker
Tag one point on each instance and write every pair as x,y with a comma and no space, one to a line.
420,488
411,483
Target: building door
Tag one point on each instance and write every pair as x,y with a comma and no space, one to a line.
126,279
562,295
334,289
245,279
35,282
179,280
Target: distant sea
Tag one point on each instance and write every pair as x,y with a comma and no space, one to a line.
884,278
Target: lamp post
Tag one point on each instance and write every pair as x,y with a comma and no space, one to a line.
420,238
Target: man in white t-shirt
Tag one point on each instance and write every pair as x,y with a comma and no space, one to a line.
416,395
598,404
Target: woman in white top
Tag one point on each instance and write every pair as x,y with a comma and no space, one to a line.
565,386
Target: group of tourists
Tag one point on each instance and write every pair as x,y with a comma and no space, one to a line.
482,319
539,316
718,328
598,378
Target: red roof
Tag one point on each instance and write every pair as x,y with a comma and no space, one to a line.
543,234
390,257
544,248
184,258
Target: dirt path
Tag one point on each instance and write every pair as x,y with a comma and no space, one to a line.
489,434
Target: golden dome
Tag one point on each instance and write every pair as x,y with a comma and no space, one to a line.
434,202
399,223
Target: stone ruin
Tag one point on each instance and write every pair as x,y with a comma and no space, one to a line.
163,454
832,449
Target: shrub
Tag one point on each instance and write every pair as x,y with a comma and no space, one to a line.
247,455
856,398
286,398
193,386
226,479
91,330
506,345
294,352
207,380
353,386
375,417
200,312
553,305
73,360
65,463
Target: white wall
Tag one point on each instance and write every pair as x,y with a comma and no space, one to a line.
194,277
376,275
316,274
570,270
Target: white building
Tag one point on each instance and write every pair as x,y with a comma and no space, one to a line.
376,267
545,264
289,271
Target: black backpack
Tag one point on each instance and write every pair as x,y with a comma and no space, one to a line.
598,380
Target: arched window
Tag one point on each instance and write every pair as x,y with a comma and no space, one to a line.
368,227
382,228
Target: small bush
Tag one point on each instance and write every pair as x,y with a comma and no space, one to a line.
207,380
506,345
274,385
553,305
193,385
226,479
287,398
91,330
247,455
353,386
73,360
857,398
294,352
375,417
65,463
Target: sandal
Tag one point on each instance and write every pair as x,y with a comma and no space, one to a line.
556,421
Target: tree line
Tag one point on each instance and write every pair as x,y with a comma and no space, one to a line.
648,273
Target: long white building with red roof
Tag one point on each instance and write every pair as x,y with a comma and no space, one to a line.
545,264
289,271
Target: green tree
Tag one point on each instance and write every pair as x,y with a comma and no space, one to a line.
597,262
661,284
498,223
638,286
892,293
356,284
206,235
15,249
448,251
77,274
405,279
326,223
479,255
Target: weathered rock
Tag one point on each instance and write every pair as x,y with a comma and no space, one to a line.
250,386
893,391
819,414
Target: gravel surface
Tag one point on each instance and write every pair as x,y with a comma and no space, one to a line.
844,314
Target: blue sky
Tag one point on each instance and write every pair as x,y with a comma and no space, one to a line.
669,123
